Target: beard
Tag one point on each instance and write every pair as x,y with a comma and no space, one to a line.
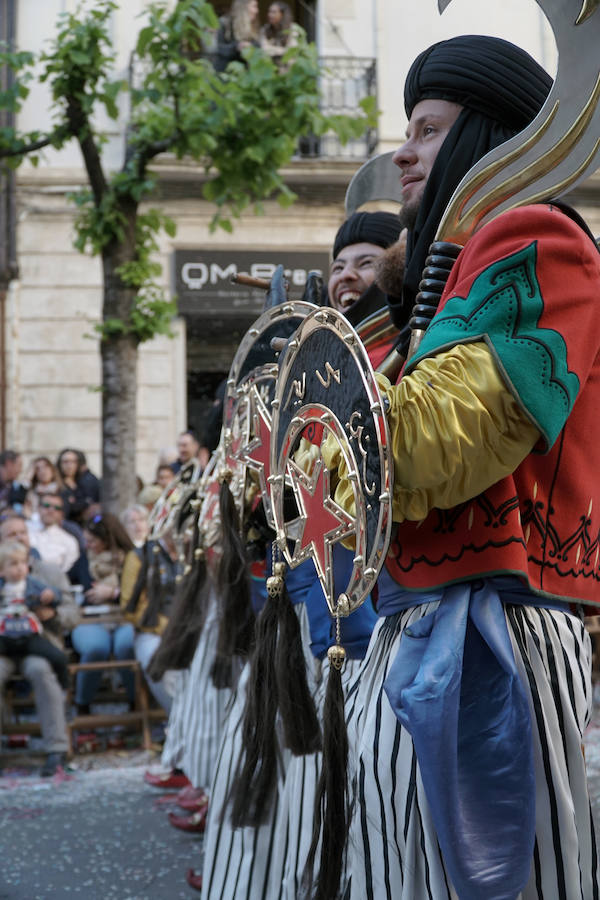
408,215
389,268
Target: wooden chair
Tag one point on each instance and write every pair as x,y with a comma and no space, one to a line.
140,716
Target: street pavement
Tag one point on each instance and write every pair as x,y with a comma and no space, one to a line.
100,832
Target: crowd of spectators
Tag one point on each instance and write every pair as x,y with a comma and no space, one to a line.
63,558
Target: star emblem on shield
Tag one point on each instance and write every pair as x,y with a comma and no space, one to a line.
322,522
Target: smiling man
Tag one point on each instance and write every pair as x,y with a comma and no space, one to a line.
359,243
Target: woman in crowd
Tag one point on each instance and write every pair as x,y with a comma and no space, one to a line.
238,30
107,544
136,521
81,488
45,480
280,33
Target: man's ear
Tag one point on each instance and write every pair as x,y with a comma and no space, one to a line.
389,267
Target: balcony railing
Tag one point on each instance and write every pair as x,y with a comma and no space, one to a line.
344,81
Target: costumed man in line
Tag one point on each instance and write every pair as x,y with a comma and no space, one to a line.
268,860
352,289
476,688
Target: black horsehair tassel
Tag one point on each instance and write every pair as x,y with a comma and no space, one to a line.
180,637
256,776
236,624
331,800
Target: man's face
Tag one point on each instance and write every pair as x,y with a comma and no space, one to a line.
14,530
430,122
351,273
51,511
12,469
187,447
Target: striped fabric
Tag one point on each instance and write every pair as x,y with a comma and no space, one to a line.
393,851
236,861
174,746
298,801
266,862
204,708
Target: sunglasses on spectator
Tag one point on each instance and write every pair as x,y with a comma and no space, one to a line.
51,506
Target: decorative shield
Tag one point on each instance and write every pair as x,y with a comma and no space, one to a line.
326,389
166,511
245,437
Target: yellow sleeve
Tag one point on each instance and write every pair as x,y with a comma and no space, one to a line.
306,455
455,430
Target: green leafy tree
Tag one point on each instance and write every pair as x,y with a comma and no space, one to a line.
242,126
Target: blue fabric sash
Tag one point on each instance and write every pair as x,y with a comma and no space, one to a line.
356,630
455,687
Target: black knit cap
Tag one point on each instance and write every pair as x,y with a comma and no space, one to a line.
379,228
485,74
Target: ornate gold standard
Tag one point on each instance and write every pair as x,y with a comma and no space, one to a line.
326,390
559,149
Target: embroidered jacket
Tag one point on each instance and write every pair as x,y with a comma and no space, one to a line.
528,285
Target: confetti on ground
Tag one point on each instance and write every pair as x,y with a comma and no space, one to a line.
97,831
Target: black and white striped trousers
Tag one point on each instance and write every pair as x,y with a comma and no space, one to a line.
393,853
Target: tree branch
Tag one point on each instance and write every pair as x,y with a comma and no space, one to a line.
49,140
142,155
80,128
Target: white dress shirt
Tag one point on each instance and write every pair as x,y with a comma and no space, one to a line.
56,545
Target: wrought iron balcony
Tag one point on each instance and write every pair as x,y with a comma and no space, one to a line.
344,81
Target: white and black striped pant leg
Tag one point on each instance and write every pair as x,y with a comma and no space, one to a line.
174,746
393,853
553,655
205,709
236,861
294,825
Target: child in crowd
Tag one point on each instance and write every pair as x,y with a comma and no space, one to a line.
24,604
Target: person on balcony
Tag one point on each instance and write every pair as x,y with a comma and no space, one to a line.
238,30
280,32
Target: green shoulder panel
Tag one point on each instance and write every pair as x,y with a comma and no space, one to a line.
503,308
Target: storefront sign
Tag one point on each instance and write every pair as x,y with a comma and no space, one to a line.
203,278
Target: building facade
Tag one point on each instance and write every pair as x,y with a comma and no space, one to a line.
50,295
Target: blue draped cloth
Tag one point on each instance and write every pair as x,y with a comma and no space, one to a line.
356,629
455,687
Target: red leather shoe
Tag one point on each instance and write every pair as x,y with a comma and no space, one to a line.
192,799
194,881
195,823
167,780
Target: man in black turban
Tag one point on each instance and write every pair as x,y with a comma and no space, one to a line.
475,690
478,92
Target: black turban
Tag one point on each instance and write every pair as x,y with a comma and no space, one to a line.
379,228
485,74
502,89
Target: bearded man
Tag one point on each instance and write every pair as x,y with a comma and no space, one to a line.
476,687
